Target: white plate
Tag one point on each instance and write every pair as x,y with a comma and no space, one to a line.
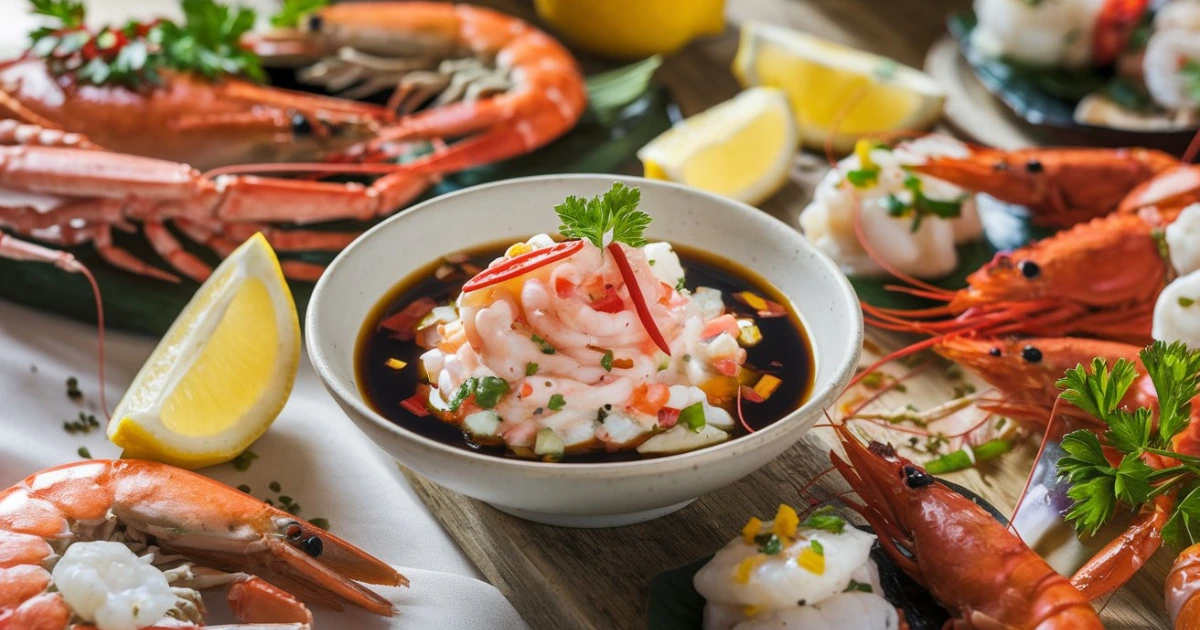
581,495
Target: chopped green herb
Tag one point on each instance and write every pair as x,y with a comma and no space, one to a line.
274,486
556,402
961,459
874,380
292,11
863,177
244,488
769,544
292,508
1186,301
489,390
531,369
858,587
544,345
606,360
681,284
323,523
609,218
825,519
921,206
285,499
966,389
242,462
84,452
692,417
1189,74
817,547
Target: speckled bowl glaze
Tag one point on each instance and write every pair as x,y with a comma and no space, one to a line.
581,495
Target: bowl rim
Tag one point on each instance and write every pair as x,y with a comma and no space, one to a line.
348,393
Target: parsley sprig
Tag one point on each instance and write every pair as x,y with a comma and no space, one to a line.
1098,485
293,11
609,218
920,206
207,43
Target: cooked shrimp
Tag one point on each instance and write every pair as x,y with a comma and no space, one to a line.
1168,54
1053,33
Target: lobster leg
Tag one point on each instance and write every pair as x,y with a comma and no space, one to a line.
122,259
14,132
169,248
223,246
1113,565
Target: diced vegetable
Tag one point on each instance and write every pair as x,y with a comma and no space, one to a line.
968,456
556,402
726,323
753,526
395,364
717,417
710,302
439,315
489,390
766,386
728,367
786,521
748,333
548,444
750,299
484,423
403,323
812,561
680,439
692,417
415,405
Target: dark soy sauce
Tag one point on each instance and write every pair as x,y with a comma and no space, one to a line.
784,352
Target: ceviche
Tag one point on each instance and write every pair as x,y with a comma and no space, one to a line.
600,347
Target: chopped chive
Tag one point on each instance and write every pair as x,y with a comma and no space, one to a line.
244,488
274,486
768,544
818,548
1186,301
544,345
285,499
242,462
531,369
556,402
323,523
606,361
84,452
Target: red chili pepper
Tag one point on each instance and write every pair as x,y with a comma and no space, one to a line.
639,300
563,287
417,404
667,417
521,265
610,303
1115,24
403,323
742,418
749,394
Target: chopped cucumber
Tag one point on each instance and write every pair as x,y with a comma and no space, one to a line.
482,423
680,439
548,444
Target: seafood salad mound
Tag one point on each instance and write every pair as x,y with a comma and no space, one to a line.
784,573
591,344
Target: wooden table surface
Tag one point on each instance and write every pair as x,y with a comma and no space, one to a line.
565,578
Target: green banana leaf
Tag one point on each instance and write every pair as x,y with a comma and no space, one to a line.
138,304
674,604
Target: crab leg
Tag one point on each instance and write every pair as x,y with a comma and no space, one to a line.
169,248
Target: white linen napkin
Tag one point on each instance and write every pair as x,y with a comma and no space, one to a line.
313,450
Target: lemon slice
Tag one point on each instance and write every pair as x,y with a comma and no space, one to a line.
223,371
741,148
825,81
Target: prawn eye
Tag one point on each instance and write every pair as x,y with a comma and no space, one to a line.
1029,269
1031,354
301,126
315,23
994,352
916,478
293,531
1034,166
313,546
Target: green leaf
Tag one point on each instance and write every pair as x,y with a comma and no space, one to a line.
825,519
293,11
1190,75
1132,484
692,417
1183,528
858,587
609,92
609,218
1093,481
1100,392
1174,370
1094,503
70,14
489,390
768,544
542,344
863,177
556,402
606,360
1130,432
531,369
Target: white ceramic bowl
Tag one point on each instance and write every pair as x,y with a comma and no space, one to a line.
581,495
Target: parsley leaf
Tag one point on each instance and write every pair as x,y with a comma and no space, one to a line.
863,177
1183,528
769,544
292,11
556,402
858,587
1173,369
606,360
1190,75
209,42
531,368
1092,478
69,13
1100,392
1130,432
1132,484
609,218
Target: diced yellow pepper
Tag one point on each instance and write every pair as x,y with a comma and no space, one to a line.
395,364
750,611
786,521
748,333
753,526
741,574
518,249
766,386
811,561
753,301
862,149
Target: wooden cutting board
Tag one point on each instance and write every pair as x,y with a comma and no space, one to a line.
562,578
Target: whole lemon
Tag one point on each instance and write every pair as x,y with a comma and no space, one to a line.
632,29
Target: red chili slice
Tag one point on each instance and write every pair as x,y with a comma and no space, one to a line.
1117,21
610,303
639,300
521,265
403,323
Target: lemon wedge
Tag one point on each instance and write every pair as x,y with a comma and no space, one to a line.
222,373
741,148
826,81
632,29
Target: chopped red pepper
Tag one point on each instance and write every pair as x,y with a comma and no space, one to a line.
728,367
563,287
610,303
667,417
417,404
639,300
403,323
521,265
1114,26
749,394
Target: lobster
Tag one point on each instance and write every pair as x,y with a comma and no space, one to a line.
493,83
969,562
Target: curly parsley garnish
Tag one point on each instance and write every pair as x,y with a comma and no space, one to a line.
609,218
1098,487
207,43
293,11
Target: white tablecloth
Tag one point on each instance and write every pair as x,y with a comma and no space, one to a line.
319,457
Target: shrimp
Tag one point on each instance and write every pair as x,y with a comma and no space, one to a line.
188,532
1053,33
1169,55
